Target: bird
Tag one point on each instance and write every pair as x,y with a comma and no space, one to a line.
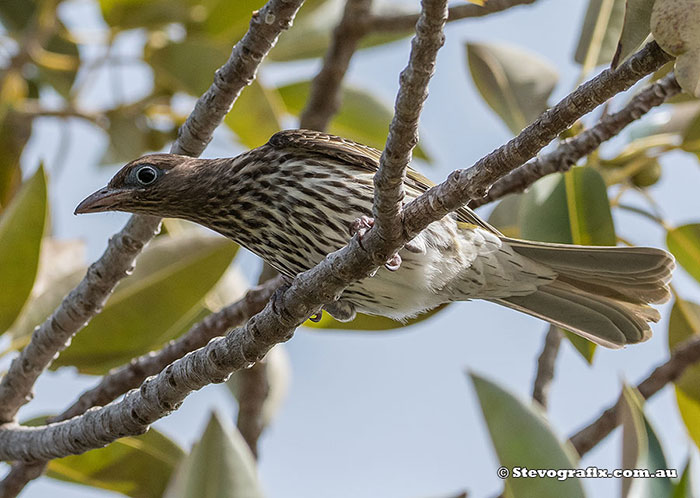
304,194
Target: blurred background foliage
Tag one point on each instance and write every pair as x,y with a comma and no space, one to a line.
48,66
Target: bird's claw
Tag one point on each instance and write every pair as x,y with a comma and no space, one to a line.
393,263
360,227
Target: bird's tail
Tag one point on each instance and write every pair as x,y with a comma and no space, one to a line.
600,293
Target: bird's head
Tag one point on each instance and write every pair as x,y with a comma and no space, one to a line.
156,184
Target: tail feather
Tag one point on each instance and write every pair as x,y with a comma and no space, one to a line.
601,293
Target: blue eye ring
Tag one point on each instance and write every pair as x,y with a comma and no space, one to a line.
146,174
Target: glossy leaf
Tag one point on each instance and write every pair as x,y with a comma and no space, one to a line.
256,115
15,130
544,214
160,300
506,214
585,347
515,83
277,372
683,324
587,200
188,65
127,14
684,244
362,117
689,409
220,465
684,487
635,29
61,267
312,33
600,33
139,466
522,437
641,449
21,231
58,64
364,322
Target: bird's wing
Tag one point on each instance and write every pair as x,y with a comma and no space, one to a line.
366,157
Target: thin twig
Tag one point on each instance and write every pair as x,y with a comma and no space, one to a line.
130,376
473,183
325,95
406,22
403,132
160,395
684,355
86,300
573,149
545,366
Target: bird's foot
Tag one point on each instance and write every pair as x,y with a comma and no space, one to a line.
360,227
343,311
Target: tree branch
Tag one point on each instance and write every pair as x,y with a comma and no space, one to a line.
545,366
324,283
684,355
571,150
162,394
472,183
325,95
130,376
87,299
406,22
403,132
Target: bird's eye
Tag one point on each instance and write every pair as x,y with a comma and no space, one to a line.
146,175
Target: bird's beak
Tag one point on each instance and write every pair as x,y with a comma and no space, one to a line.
106,199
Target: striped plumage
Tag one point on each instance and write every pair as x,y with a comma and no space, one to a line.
293,200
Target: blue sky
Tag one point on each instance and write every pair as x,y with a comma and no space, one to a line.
393,414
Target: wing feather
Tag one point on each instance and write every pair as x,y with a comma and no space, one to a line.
367,158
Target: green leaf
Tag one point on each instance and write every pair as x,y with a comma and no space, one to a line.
683,324
635,29
128,14
544,212
600,33
21,231
16,14
364,322
131,135
61,267
684,244
220,465
585,347
590,218
160,300
59,63
139,466
569,208
641,449
187,66
362,117
684,487
689,408
515,83
15,130
312,32
522,437
256,115
506,214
